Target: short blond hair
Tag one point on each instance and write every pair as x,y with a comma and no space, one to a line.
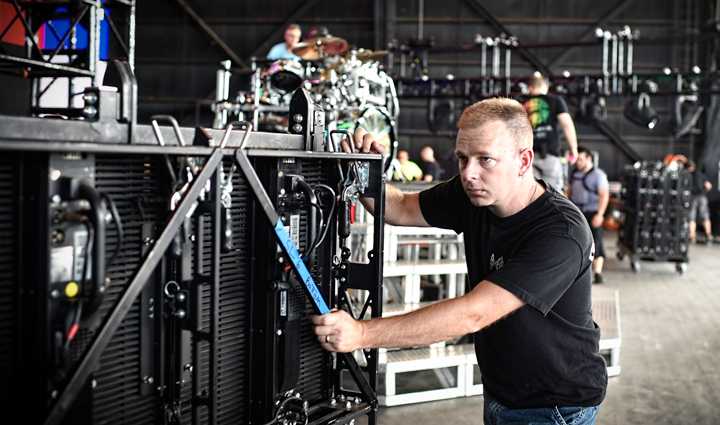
508,111
536,81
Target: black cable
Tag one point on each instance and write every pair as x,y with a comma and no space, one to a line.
330,214
298,181
118,225
282,405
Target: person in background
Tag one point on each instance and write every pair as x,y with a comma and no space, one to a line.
699,205
589,190
409,169
430,168
284,50
529,256
546,111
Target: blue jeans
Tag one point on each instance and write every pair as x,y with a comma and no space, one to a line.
497,414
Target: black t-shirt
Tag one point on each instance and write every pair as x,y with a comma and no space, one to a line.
543,111
698,182
433,169
545,353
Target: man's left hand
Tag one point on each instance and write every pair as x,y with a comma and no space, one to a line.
597,221
338,331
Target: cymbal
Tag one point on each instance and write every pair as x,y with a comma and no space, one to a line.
326,74
320,47
366,55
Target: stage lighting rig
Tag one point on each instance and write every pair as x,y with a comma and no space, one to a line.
640,112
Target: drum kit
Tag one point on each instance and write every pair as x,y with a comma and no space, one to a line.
349,84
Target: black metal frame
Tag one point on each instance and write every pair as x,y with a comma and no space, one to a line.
110,135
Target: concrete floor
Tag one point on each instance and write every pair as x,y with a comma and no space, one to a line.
670,354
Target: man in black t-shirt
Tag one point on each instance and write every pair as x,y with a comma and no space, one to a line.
545,112
431,169
699,210
529,254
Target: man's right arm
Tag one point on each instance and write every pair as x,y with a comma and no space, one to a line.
568,127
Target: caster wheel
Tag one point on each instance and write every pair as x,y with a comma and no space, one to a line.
636,267
681,268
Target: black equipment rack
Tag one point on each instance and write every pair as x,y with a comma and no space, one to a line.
143,282
655,202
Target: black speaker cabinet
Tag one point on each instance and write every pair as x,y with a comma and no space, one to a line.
145,284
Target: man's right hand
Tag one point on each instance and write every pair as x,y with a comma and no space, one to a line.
364,142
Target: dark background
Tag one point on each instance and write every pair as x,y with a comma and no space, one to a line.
176,61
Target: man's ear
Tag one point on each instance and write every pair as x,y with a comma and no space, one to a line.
526,158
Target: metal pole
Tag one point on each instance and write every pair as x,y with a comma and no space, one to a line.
508,56
621,55
96,12
613,71
256,99
606,53
621,63
630,55
483,63
421,12
131,37
222,92
495,64
73,46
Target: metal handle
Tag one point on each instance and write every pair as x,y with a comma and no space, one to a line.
348,134
228,129
161,141
175,125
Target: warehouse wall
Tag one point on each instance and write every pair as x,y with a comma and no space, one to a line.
176,60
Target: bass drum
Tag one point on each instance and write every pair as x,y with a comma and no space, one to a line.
286,75
376,121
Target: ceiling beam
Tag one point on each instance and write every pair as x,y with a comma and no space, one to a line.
212,34
499,27
619,7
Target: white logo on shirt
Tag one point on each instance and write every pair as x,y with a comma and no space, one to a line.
497,265
592,252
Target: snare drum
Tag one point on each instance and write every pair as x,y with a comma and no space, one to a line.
286,75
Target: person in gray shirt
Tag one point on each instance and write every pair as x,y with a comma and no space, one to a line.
588,189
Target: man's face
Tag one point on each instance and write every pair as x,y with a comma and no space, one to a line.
583,161
292,37
489,164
